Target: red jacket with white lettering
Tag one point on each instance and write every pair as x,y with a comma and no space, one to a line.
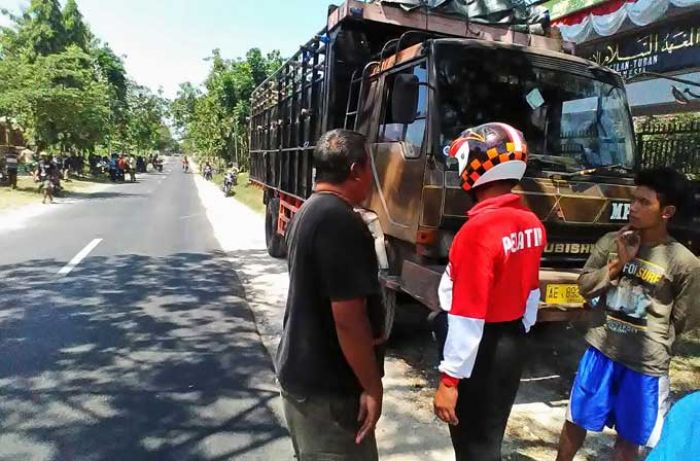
492,276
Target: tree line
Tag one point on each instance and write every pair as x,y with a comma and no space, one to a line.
212,120
69,91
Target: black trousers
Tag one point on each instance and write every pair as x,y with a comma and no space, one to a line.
486,398
12,175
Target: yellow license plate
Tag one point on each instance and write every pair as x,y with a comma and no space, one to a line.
563,294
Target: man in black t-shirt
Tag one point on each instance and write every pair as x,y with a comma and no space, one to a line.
328,363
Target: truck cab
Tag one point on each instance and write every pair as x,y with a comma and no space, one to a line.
574,115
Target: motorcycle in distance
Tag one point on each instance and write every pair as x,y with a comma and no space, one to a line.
208,172
230,180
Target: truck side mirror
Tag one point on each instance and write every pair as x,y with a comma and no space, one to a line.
404,100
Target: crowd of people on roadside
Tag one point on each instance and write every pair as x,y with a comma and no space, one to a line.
49,170
118,166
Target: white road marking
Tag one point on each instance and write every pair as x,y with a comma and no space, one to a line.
79,257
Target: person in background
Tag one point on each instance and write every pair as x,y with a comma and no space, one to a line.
123,166
131,165
12,166
329,363
113,168
45,173
490,291
648,284
66,167
208,171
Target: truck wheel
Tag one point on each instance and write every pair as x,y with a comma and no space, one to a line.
276,247
389,305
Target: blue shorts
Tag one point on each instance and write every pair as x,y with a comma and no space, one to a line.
607,393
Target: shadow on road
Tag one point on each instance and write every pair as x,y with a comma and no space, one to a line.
133,357
106,195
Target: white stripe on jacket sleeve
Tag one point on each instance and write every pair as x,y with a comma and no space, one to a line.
445,289
462,345
531,307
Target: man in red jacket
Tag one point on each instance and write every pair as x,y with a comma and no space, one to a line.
490,292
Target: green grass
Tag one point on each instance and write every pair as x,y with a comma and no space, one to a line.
25,194
244,192
27,191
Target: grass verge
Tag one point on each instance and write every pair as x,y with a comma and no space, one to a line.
25,194
244,192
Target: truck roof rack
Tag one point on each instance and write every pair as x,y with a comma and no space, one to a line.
439,24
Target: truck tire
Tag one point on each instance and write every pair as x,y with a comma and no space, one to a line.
276,246
389,306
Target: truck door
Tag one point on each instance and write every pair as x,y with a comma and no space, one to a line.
398,160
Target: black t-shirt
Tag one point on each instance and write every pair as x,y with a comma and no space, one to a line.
331,258
46,169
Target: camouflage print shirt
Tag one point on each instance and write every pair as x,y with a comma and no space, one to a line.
654,299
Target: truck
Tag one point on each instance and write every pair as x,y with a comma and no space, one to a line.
412,81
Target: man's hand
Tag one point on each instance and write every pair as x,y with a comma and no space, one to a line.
355,337
628,242
445,403
370,412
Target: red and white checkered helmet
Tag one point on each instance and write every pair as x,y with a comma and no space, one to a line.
489,152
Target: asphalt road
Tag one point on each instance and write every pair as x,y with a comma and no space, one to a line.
142,350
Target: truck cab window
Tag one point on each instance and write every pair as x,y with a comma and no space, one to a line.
412,134
571,121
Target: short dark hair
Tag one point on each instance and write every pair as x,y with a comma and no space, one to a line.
335,153
670,186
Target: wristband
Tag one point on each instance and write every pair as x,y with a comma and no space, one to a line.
448,380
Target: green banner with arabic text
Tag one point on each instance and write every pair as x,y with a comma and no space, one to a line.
560,8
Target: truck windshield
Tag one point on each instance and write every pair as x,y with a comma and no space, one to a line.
571,122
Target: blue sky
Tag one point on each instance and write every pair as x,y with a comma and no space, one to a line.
165,41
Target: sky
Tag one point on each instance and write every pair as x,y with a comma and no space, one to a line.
165,42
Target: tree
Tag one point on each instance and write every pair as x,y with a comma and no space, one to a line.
166,142
69,90
110,68
257,64
145,120
213,122
76,31
39,31
57,98
182,107
274,61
